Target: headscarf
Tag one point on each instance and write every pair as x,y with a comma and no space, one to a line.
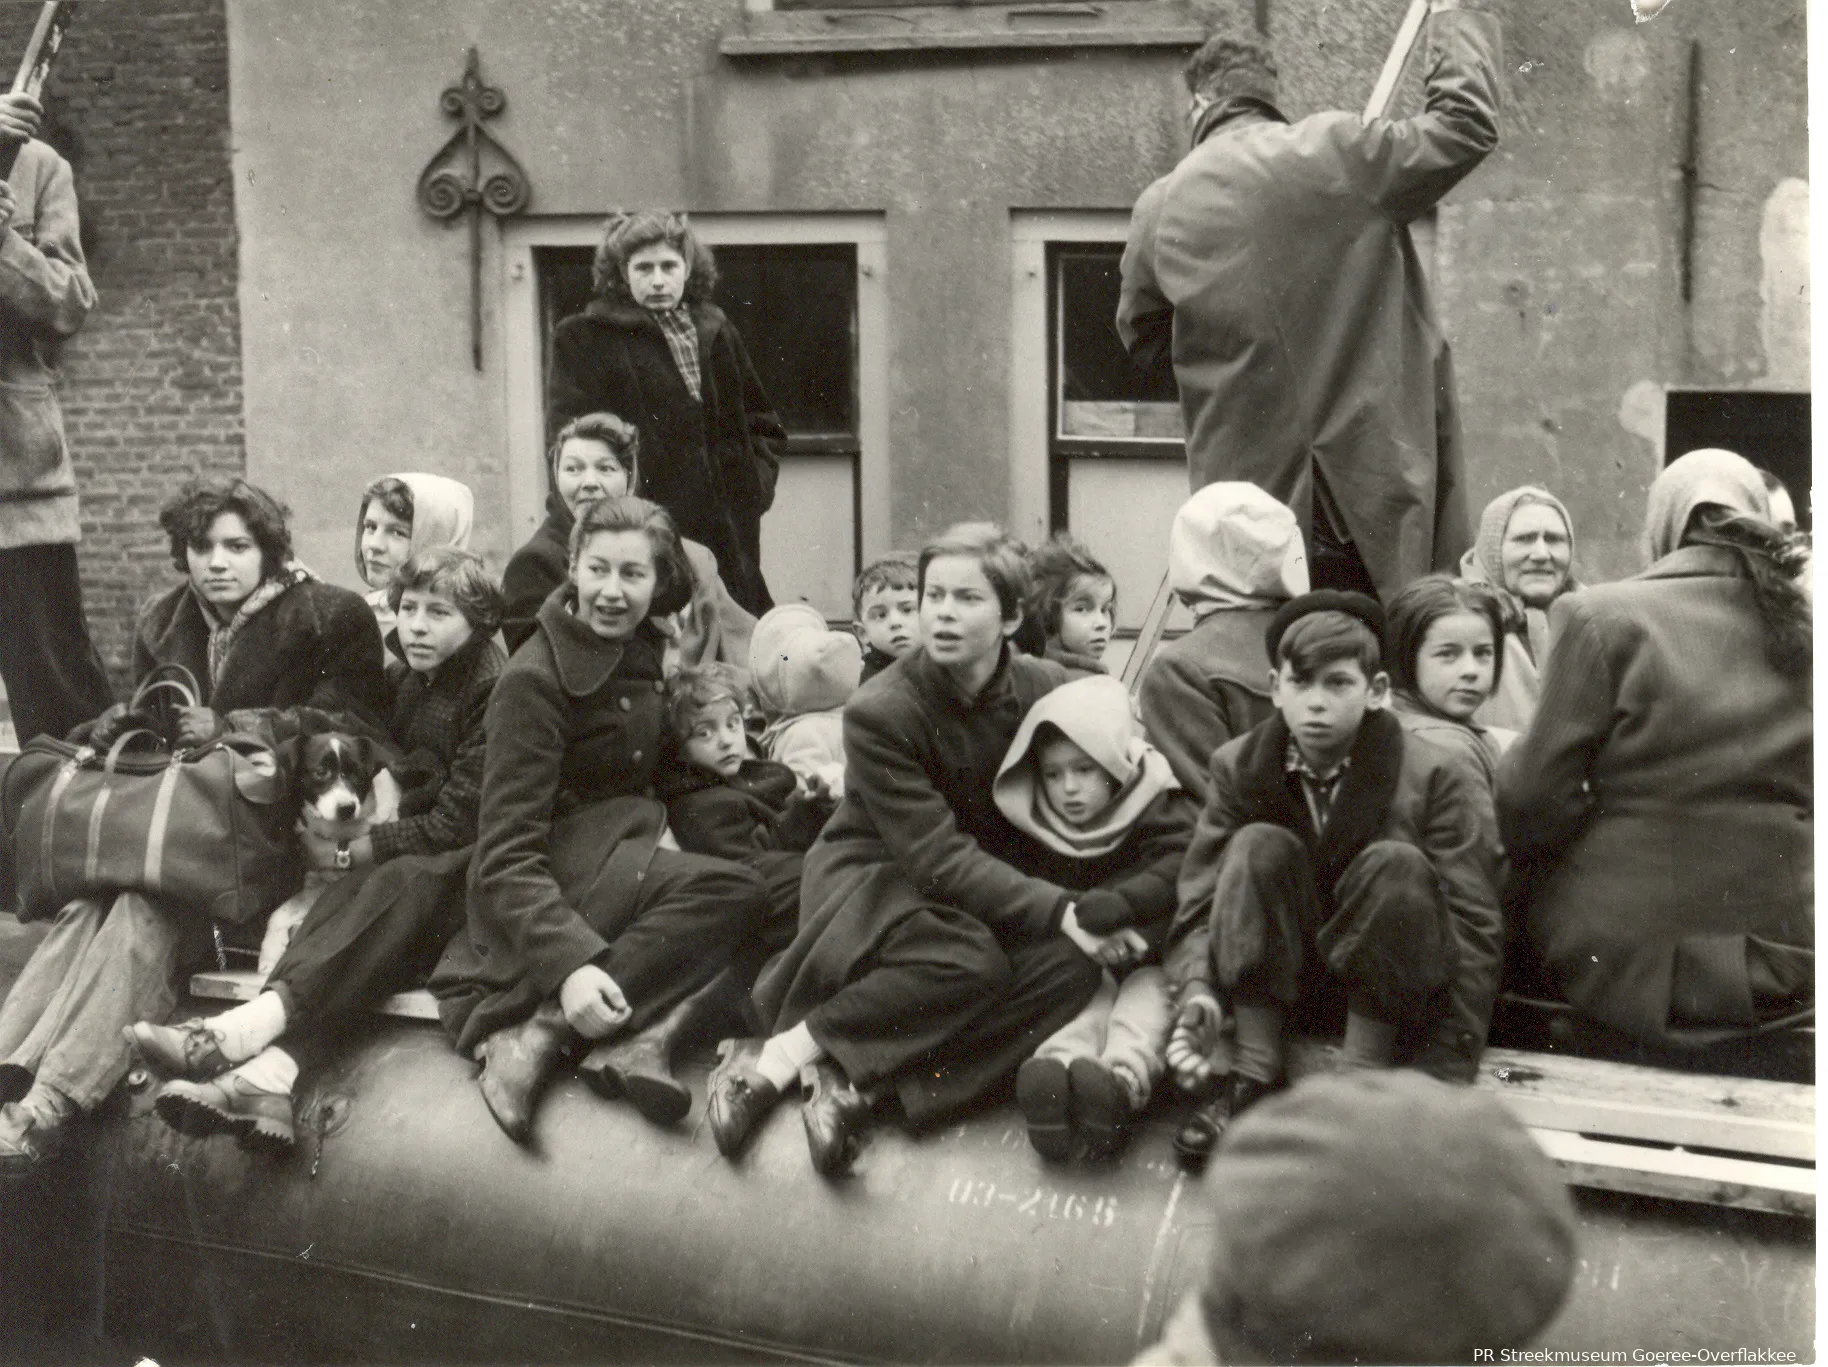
1094,713
443,512
1234,547
1484,563
1706,476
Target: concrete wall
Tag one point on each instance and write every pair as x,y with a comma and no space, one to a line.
1557,261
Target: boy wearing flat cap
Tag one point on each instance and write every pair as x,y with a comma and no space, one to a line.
1376,1217
1338,870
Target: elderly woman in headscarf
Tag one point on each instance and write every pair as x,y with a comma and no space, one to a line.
1235,555
1663,802
1525,553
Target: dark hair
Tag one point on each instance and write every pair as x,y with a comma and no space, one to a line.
187,515
1227,64
461,576
1003,559
1426,602
694,688
622,438
896,570
673,576
1313,642
1053,568
1772,560
626,232
396,495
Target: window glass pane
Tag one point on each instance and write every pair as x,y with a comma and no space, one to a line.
1100,393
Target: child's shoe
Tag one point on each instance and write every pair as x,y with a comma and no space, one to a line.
230,1104
1044,1092
1104,1102
1206,1126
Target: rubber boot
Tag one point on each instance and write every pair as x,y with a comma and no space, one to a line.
518,1061
640,1067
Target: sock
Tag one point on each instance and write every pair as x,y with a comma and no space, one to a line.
271,1070
784,1055
247,1029
1370,1042
1258,1053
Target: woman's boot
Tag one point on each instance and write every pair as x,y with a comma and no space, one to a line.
518,1061
640,1067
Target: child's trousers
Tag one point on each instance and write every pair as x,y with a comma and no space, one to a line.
1384,934
1125,1025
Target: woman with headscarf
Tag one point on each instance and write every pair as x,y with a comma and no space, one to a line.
400,516
1663,802
1525,553
1235,555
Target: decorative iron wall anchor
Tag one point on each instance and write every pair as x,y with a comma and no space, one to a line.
473,172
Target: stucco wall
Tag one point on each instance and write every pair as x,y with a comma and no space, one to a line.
1557,261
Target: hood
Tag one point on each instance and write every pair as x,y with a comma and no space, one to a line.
1700,477
1095,715
799,664
443,513
1232,547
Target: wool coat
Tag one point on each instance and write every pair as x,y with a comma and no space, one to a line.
567,825
757,814
45,296
710,462
1277,260
1398,787
1663,803
918,826
1206,688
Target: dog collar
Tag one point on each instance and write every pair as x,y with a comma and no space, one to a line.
342,854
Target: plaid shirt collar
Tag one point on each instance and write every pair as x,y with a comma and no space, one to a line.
1319,789
682,340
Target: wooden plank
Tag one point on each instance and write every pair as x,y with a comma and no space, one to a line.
1676,1174
1591,1096
243,985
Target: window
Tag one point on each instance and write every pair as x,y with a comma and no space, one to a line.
1772,430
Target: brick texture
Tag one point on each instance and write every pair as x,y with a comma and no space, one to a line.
152,385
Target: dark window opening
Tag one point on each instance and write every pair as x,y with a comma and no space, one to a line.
1769,429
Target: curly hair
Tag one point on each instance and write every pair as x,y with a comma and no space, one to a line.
628,231
622,438
188,515
1054,567
460,576
1772,560
1425,602
674,581
1002,557
694,688
1227,65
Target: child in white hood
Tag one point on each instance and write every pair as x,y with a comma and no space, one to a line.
802,673
1110,823
400,516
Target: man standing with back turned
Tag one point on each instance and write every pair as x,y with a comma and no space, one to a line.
53,678
1274,265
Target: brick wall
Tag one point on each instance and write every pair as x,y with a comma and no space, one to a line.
152,385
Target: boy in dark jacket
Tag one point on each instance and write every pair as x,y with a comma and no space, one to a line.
1110,823
721,800
885,602
1338,862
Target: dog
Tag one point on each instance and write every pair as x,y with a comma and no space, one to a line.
344,788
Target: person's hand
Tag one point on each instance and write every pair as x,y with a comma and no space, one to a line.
817,789
9,205
592,1002
1195,1040
20,116
1122,949
197,726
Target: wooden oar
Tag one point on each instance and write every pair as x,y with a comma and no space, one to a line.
35,67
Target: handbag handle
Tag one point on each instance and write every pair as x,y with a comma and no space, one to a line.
120,745
174,677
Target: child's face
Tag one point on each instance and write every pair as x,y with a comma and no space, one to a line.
1075,785
1324,712
890,617
586,470
1088,615
1455,663
431,627
386,541
715,739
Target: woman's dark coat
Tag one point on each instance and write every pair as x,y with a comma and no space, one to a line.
758,813
917,826
710,463
1663,803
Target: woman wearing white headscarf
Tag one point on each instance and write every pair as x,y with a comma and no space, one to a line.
1663,802
1235,555
1524,554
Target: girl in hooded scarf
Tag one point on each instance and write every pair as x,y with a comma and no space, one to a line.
1525,554
1235,555
1663,801
1112,823
400,516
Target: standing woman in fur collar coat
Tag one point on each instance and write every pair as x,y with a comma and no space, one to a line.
653,348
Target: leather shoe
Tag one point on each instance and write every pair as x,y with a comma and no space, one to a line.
1100,1107
517,1062
228,1105
189,1049
1044,1092
637,1068
15,1081
1206,1126
32,1130
835,1116
737,1096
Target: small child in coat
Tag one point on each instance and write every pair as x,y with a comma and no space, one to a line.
1340,862
1109,822
722,800
1071,608
802,673
886,604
